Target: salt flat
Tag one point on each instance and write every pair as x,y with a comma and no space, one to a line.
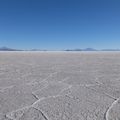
59,85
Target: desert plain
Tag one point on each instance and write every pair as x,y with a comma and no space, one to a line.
59,85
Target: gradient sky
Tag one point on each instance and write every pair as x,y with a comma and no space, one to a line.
60,24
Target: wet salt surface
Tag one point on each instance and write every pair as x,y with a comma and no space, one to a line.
59,85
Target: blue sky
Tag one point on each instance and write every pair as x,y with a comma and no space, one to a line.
60,24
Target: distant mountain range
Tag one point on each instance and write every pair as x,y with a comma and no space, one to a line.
110,49
86,49
92,49
8,49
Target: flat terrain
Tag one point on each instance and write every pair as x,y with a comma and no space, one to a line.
59,85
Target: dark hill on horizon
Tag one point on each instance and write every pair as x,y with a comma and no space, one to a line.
8,49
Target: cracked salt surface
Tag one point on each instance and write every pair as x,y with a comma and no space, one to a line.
59,86
52,89
30,113
113,112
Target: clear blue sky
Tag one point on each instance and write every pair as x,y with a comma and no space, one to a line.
60,24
